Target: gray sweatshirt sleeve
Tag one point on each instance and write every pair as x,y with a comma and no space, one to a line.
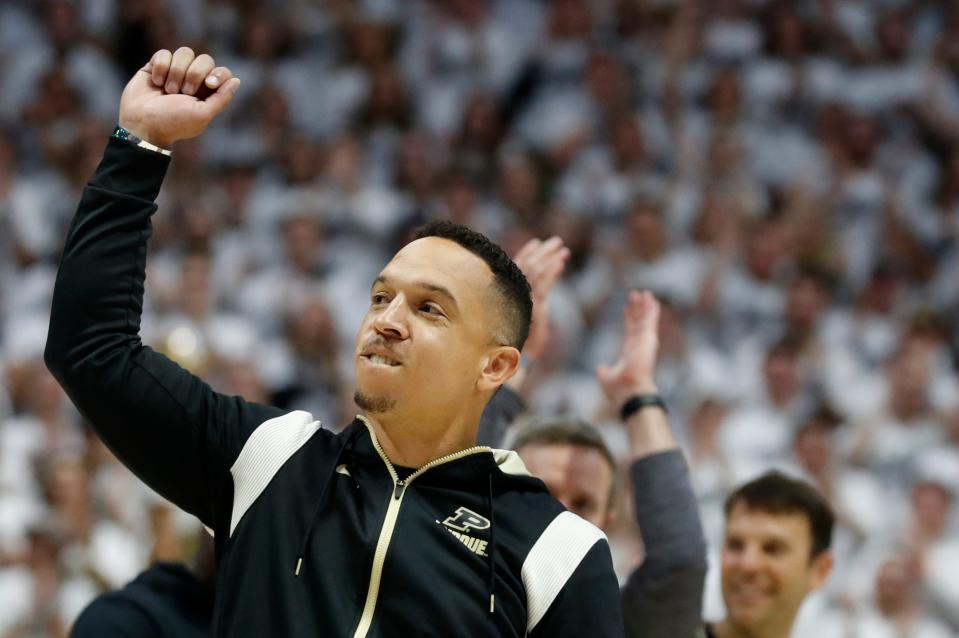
663,597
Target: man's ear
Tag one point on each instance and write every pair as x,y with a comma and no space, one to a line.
821,568
499,365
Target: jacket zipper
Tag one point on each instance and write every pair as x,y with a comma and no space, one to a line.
389,522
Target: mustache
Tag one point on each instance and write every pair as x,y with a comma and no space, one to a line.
377,344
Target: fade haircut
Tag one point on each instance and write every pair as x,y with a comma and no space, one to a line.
776,493
509,282
560,430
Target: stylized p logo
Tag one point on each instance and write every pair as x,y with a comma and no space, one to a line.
464,520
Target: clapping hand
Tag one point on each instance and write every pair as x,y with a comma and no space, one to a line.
633,371
542,262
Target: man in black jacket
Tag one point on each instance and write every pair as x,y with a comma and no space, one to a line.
166,600
163,601
397,526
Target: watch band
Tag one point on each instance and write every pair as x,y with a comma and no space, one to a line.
122,134
637,402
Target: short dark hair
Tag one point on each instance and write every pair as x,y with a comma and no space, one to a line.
561,430
508,280
776,493
788,346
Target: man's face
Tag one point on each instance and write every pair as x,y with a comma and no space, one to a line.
577,476
781,374
932,507
895,586
428,332
766,568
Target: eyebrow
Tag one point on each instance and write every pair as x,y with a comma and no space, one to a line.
425,285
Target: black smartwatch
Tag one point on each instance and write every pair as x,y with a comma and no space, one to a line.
637,402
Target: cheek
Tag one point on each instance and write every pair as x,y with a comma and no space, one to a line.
728,567
364,330
729,558
793,574
449,356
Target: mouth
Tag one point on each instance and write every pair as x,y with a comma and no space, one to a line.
750,594
380,360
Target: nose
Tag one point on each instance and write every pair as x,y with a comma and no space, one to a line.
391,323
750,558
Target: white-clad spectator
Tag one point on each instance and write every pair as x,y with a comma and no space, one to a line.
760,431
651,260
897,609
904,423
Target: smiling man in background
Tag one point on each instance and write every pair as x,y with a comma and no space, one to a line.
775,552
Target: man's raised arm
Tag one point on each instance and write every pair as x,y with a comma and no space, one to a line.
663,597
168,426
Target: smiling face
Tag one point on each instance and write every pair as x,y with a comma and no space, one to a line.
426,346
767,570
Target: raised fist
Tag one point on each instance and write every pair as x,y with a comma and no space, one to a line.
175,96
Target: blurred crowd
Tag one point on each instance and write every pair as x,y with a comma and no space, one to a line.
783,174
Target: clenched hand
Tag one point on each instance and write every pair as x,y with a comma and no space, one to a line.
175,96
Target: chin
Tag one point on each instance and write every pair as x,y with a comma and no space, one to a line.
373,402
751,619
377,386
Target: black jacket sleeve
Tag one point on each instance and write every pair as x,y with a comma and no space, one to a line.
163,423
498,416
663,597
165,601
588,604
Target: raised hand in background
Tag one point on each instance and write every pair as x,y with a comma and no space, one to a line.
542,262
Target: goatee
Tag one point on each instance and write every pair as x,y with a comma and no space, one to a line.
373,404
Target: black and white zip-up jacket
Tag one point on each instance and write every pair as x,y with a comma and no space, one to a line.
317,534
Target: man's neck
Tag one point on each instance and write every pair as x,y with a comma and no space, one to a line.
414,444
726,629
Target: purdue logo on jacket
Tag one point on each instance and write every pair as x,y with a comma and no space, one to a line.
464,519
